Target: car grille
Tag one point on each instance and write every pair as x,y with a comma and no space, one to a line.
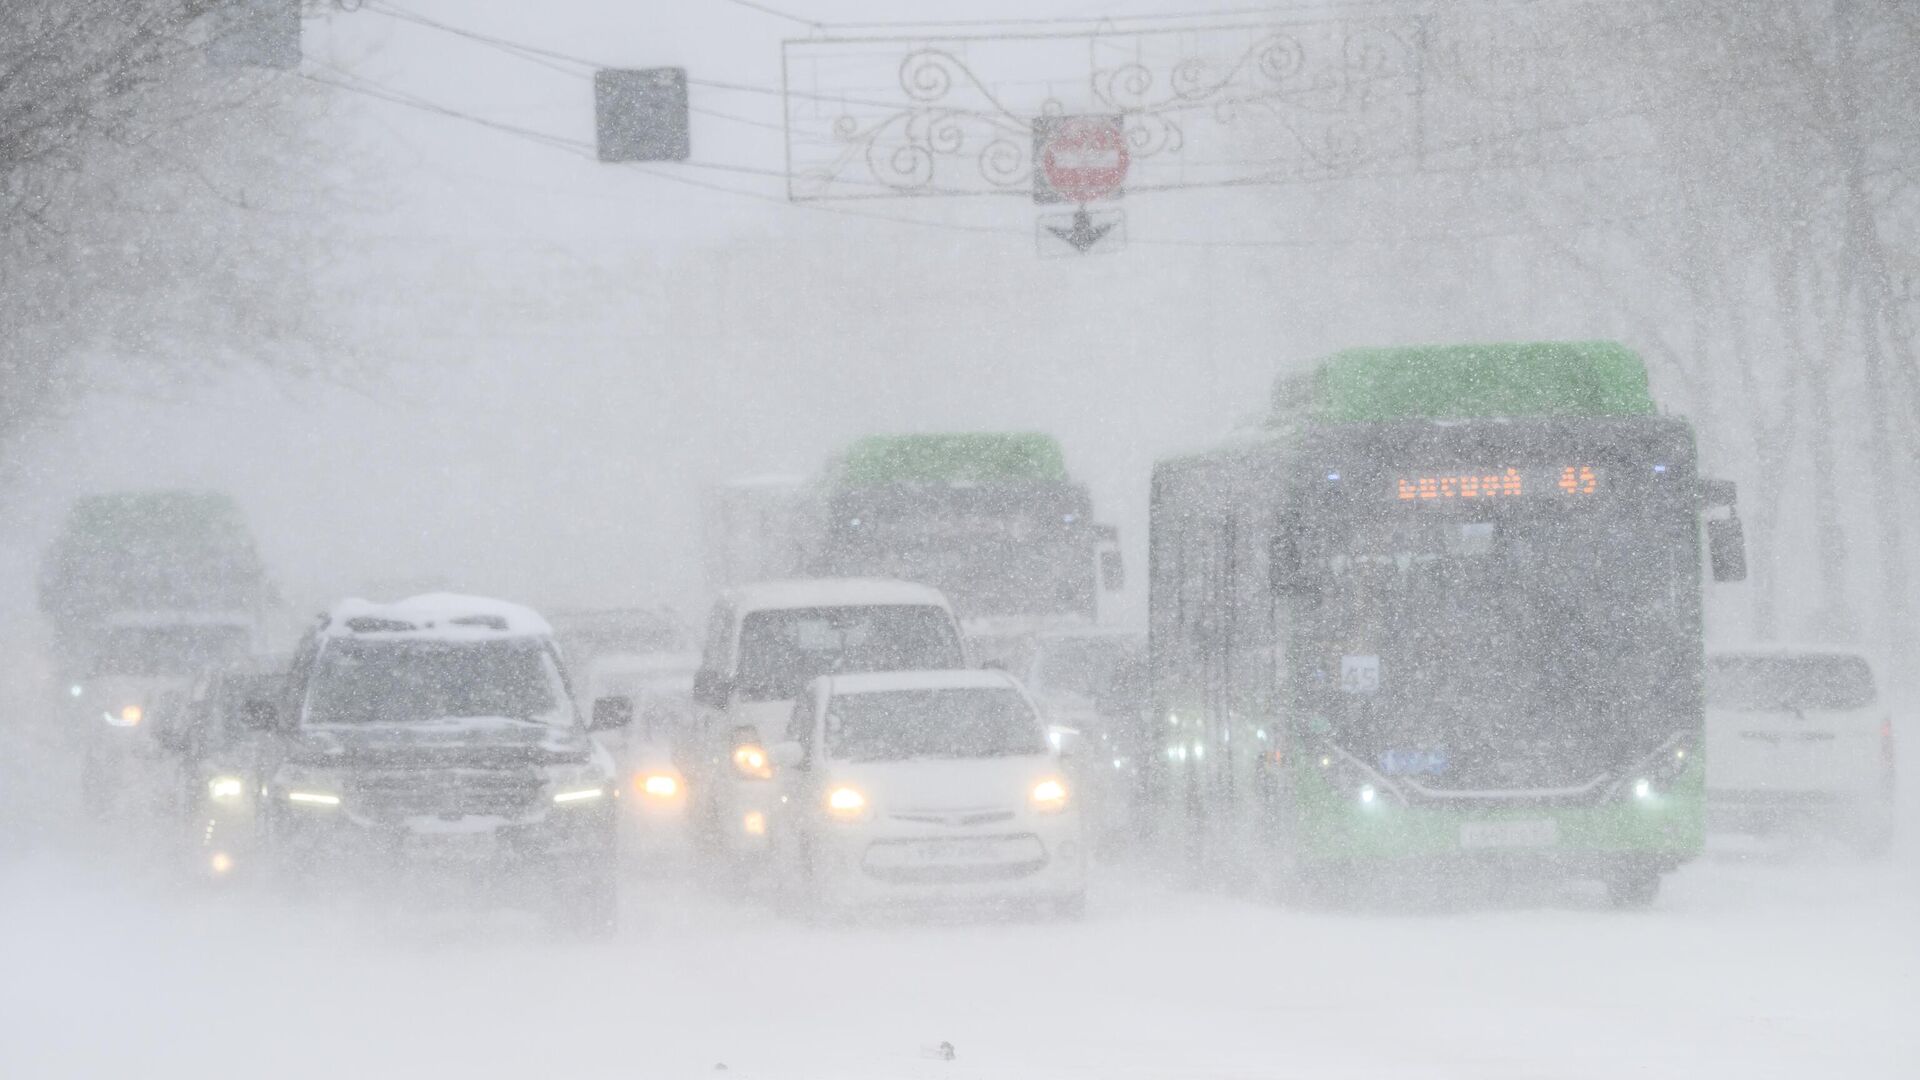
447,794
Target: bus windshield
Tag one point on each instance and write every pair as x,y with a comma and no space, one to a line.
168,650
1530,647
999,549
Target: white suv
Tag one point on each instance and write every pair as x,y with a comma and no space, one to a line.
1800,737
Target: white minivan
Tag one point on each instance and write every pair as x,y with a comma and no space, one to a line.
764,644
1800,738
926,787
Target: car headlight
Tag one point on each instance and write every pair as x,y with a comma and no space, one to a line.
226,788
306,785
847,803
127,716
579,795
656,785
750,760
1049,796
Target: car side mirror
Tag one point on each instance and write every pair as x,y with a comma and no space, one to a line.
1727,549
259,714
1064,740
712,689
788,755
610,713
1113,571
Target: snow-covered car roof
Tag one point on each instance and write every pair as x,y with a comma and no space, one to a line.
435,616
883,681
834,592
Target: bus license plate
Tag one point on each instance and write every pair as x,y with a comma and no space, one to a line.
1510,834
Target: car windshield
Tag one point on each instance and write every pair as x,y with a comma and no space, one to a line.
894,725
1790,683
397,682
783,650
168,650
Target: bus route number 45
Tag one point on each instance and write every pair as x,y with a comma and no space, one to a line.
1360,674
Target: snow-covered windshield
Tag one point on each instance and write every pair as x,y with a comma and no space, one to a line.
168,650
397,682
1788,683
947,723
782,650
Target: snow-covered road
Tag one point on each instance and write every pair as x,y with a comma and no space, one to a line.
1747,968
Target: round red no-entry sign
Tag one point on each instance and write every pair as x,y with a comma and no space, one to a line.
1084,158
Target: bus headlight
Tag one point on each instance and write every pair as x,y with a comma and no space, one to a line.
1351,780
1653,776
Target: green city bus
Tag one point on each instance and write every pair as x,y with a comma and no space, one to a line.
1442,609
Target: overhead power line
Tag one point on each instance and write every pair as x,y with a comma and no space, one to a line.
585,150
763,9
546,56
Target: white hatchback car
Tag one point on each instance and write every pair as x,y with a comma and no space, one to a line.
1801,738
926,786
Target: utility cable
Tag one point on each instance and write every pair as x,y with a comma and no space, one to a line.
753,5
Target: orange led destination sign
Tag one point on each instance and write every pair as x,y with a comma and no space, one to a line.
1505,484
1578,480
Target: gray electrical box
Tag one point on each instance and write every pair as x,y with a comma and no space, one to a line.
641,115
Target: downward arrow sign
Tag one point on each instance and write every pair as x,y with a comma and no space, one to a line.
1084,233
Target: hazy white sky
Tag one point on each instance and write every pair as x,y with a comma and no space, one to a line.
567,351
